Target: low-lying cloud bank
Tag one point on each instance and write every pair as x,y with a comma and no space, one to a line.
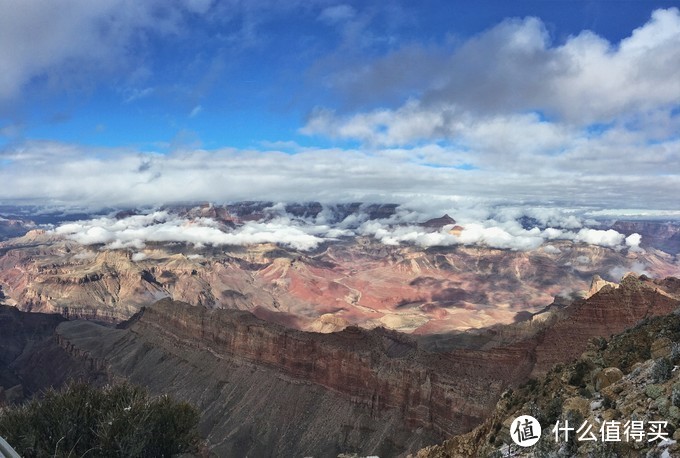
307,233
135,231
496,235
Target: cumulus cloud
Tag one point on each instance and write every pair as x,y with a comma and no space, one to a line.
517,67
330,222
513,127
510,105
139,256
582,259
490,233
138,230
551,249
609,238
633,242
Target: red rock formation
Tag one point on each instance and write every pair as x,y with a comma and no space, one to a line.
359,282
379,372
379,369
609,311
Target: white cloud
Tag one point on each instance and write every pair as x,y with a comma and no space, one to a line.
75,39
633,242
502,235
589,116
551,249
135,231
337,13
638,268
195,111
582,259
498,237
609,238
402,226
56,173
515,67
139,256
509,104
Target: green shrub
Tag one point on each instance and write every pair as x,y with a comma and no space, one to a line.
675,353
580,370
575,420
116,421
554,410
675,395
653,391
662,370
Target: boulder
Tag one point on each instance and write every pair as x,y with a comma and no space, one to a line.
578,404
606,377
661,347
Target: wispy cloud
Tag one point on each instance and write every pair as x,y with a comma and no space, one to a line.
97,36
195,111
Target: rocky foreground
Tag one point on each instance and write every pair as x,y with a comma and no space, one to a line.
631,377
264,389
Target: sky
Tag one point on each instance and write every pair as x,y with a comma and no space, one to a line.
570,104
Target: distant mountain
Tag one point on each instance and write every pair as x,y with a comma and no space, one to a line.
439,222
354,281
10,228
662,235
315,267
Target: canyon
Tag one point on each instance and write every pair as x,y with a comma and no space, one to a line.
353,280
330,340
262,387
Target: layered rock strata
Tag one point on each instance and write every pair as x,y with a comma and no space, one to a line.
265,389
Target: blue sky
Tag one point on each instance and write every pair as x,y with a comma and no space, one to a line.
537,102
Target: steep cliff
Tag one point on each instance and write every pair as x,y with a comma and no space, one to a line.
609,311
31,359
628,377
269,390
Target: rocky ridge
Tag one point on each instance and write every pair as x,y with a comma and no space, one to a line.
423,393
632,376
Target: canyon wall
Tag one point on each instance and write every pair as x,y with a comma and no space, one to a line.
267,389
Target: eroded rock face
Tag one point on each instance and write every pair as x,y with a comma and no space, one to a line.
597,284
637,390
606,377
378,369
358,282
608,312
233,364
